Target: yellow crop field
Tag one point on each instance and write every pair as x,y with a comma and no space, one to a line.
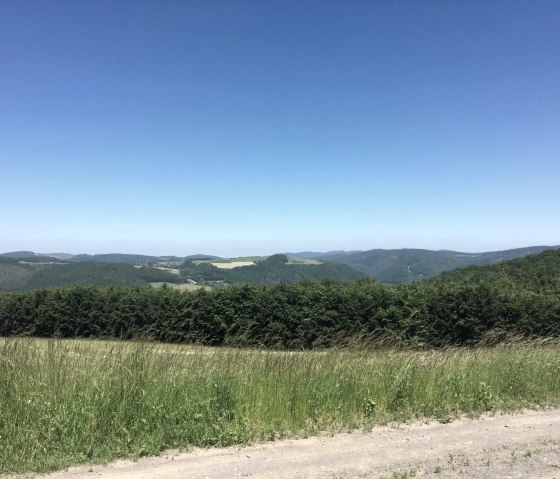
232,264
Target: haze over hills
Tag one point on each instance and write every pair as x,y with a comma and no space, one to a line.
19,254
321,255
137,259
117,258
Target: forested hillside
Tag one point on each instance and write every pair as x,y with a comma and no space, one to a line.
22,276
387,266
406,265
536,273
272,270
18,254
484,304
38,272
14,276
138,259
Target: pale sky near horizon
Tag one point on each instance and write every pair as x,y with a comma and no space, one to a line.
254,127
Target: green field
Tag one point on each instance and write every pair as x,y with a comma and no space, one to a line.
67,402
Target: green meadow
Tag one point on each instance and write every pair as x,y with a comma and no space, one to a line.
66,402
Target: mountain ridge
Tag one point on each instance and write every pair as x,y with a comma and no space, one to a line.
390,266
408,264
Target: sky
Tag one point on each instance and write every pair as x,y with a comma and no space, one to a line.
254,127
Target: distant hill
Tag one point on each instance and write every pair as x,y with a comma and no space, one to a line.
318,255
173,259
406,265
18,254
17,275
137,259
201,257
387,266
31,254
42,259
272,270
539,272
59,255
116,258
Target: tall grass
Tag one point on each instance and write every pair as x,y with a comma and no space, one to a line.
65,402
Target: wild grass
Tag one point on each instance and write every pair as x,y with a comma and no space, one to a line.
65,402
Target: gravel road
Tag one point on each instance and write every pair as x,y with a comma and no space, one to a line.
525,445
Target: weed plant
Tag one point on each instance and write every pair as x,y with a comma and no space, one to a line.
65,402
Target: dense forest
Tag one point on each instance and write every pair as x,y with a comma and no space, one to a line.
477,304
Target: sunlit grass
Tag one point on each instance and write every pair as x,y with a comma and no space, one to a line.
65,402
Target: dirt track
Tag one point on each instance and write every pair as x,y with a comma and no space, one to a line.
514,446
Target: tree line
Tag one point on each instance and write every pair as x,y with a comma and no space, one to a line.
302,315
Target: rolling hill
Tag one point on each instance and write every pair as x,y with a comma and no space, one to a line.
18,254
115,258
17,275
37,272
23,270
136,259
272,270
406,265
538,272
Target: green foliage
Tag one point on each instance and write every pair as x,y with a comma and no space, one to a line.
500,301
70,402
536,273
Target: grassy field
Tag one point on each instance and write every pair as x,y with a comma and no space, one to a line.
66,402
174,271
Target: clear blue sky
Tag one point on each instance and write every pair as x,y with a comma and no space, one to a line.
253,127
